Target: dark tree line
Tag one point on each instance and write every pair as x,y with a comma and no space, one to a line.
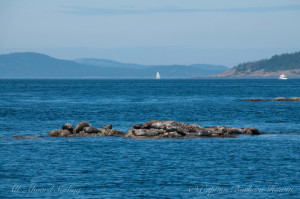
277,62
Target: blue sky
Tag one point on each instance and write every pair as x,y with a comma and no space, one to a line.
152,31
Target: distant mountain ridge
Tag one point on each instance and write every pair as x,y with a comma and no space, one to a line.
289,64
35,65
105,62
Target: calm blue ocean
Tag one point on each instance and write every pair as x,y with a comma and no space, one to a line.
265,166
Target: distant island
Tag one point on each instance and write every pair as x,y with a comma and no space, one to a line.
289,64
35,65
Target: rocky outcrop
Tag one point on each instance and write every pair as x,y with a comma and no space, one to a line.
285,99
292,99
173,129
152,130
279,99
255,100
59,133
84,129
161,129
288,64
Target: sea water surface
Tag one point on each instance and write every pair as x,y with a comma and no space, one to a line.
264,166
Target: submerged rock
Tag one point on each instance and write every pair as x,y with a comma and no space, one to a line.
17,137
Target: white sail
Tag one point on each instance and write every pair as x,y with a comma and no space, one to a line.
157,75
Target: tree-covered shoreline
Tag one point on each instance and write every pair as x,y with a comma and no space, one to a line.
287,61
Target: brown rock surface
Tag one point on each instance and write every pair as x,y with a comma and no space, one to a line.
154,129
173,129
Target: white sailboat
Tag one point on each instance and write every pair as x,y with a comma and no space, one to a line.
157,75
282,76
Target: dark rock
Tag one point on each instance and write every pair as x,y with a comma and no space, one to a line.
153,129
254,100
90,129
81,125
65,133
68,127
109,126
87,132
158,129
234,131
173,129
285,99
294,99
171,126
137,126
104,131
59,133
205,132
173,134
279,99
147,132
54,133
81,134
114,132
216,130
276,99
252,131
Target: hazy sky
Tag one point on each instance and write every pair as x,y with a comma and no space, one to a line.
152,31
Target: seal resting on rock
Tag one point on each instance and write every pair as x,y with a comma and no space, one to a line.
79,127
90,129
173,129
162,129
68,127
109,126
84,129
153,129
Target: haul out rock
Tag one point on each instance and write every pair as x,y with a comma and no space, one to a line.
152,130
287,99
292,99
84,129
173,129
254,100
